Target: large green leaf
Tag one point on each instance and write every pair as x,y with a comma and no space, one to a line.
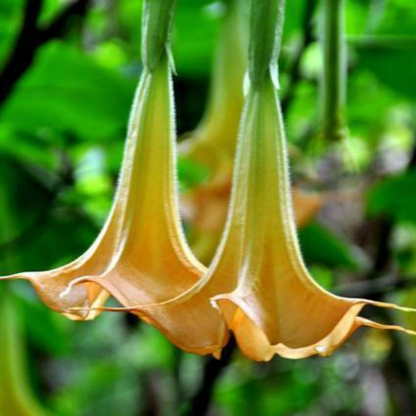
321,246
398,17
23,196
195,34
395,197
68,91
396,68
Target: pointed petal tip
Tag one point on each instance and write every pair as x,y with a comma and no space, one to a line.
386,305
19,276
376,325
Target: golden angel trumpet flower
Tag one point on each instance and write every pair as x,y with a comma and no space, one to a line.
257,280
274,307
152,263
142,241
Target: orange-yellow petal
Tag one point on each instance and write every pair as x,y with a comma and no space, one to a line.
153,263
275,307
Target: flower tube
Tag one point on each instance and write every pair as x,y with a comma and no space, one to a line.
212,144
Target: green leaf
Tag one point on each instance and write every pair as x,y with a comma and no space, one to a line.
395,68
23,196
195,32
46,330
398,17
10,21
321,246
27,148
395,198
68,91
33,224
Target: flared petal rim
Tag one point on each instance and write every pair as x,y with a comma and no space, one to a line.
253,341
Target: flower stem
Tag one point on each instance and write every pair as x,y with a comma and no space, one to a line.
266,27
156,31
334,73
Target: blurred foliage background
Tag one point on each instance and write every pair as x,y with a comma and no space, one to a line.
67,76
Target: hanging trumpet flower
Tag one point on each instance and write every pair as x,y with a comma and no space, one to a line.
274,307
141,257
257,286
142,239
212,144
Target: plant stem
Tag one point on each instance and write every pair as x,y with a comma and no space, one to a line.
266,27
199,403
156,31
306,40
334,72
